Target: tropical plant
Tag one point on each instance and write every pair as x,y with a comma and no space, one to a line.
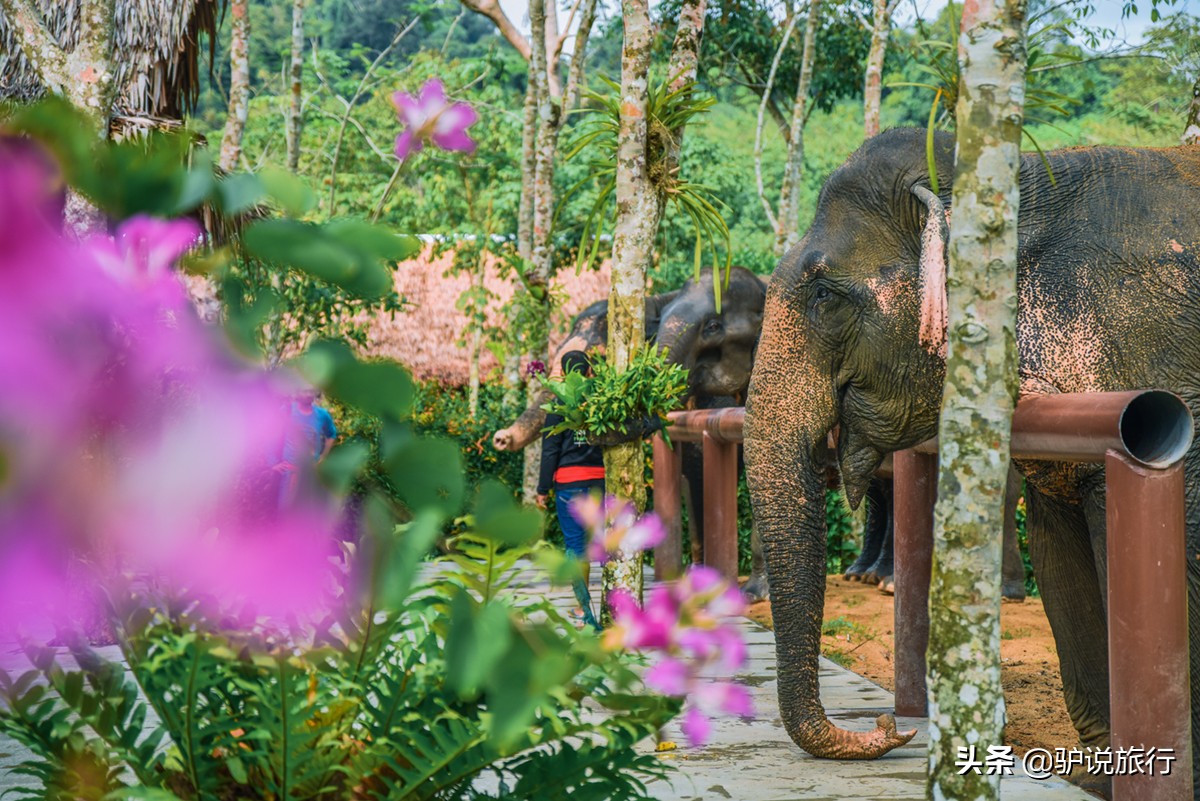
435,687
667,111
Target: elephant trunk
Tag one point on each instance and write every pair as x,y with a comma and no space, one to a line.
789,411
527,427
677,337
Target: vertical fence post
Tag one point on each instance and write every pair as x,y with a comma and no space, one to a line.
1149,688
720,506
915,496
668,461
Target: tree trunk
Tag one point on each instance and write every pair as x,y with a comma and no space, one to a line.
685,50
545,145
85,77
685,57
512,359
476,343
787,232
758,129
239,85
1191,133
295,115
540,267
633,242
873,90
578,58
966,700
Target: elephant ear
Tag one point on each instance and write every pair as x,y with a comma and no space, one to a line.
934,237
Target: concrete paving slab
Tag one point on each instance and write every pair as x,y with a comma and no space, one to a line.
755,760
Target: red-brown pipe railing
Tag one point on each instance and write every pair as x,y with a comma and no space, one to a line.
719,432
1141,437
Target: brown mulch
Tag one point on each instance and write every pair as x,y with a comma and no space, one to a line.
1037,716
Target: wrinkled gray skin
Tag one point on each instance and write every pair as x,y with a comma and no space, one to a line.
876,562
717,349
1108,281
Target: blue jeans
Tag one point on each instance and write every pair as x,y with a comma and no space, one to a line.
573,534
576,541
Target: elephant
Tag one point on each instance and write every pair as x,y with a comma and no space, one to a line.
876,561
717,348
1108,299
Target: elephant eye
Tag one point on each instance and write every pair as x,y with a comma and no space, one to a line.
821,293
712,327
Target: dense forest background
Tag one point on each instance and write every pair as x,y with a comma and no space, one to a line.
1096,92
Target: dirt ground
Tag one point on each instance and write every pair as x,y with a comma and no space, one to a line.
858,635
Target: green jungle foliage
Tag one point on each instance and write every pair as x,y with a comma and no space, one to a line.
1133,100
444,411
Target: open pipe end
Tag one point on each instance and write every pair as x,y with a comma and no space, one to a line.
1157,428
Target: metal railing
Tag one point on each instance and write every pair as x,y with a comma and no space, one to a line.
1141,438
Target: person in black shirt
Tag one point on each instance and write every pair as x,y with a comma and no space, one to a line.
571,467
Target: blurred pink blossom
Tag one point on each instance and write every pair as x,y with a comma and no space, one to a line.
616,527
686,625
144,251
131,441
431,117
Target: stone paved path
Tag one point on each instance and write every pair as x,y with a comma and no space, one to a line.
755,760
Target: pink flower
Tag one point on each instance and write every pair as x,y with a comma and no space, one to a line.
616,528
684,625
724,698
132,440
696,727
668,676
430,117
145,249
535,368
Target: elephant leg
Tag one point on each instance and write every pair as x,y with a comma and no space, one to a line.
873,534
1012,569
757,587
1061,549
693,497
879,516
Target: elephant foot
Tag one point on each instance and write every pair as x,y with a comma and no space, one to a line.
878,572
887,585
1094,784
1013,591
859,570
756,588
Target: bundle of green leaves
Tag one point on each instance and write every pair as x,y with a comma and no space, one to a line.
617,402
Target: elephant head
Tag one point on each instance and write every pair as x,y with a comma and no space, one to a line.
717,348
851,339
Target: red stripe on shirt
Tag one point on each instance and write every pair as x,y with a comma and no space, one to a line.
569,475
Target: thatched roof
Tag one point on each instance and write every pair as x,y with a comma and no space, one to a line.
423,336
157,53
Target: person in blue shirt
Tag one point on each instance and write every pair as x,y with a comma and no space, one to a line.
310,437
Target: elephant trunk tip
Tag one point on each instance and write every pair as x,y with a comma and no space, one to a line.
826,741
